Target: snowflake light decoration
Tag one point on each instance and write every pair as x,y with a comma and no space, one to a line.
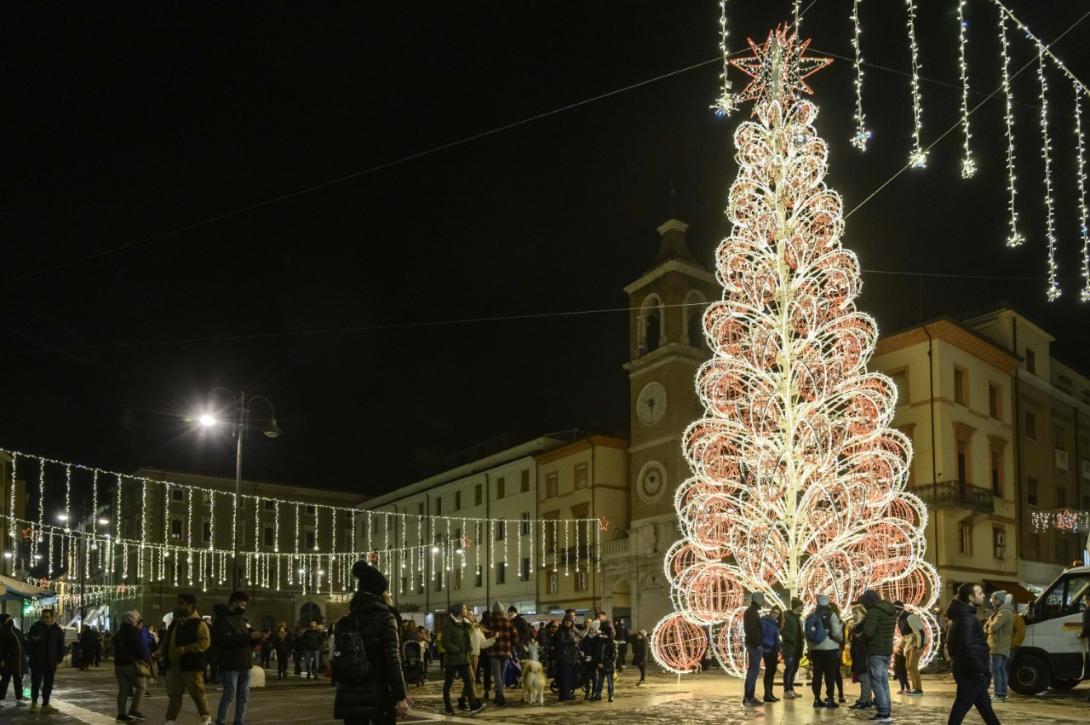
798,480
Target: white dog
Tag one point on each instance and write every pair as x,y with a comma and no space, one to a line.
533,682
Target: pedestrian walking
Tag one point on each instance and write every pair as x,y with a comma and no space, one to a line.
370,684
187,643
45,645
857,657
456,648
88,643
623,638
499,654
999,628
824,631
12,659
838,676
879,624
913,640
793,642
131,668
282,643
312,649
640,652
565,651
969,651
605,661
234,641
771,624
477,642
751,624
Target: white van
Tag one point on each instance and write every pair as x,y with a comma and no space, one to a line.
1052,654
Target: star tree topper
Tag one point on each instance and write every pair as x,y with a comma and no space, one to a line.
778,68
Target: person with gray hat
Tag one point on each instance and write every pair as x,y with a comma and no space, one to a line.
131,677
751,625
999,628
824,633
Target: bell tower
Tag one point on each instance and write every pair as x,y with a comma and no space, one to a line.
666,346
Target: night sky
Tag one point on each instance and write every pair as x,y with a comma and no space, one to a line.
124,123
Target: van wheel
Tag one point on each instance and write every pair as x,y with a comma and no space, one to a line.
1030,675
1065,684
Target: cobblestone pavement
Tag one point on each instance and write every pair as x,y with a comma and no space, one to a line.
89,698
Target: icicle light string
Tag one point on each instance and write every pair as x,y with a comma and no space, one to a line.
1053,291
861,135
1084,215
1046,48
968,165
918,156
1014,238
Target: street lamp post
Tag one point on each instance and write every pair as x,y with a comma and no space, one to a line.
239,427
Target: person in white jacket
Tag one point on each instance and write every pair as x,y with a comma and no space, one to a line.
477,642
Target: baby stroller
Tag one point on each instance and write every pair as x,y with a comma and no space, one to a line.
412,661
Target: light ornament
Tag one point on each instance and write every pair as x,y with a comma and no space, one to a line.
726,103
777,66
1015,238
917,158
968,165
1084,213
1053,291
798,483
861,135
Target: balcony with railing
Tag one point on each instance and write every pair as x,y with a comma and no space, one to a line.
956,494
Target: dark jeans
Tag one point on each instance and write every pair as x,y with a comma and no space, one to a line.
461,671
41,678
643,672
565,674
972,690
790,667
281,665
17,682
753,667
772,657
236,689
825,662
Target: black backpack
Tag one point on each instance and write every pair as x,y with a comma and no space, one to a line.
349,660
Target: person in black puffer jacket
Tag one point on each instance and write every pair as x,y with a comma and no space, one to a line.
233,640
381,698
969,651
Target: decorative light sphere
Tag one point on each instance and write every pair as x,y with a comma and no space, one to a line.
678,644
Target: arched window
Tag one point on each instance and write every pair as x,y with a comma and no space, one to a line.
652,330
695,304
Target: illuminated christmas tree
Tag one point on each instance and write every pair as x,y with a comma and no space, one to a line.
798,484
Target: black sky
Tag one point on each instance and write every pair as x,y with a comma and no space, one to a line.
124,121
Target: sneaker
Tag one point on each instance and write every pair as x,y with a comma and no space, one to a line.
884,718
917,693
123,718
476,707
819,703
34,707
831,704
842,700
21,702
137,715
769,698
207,721
448,711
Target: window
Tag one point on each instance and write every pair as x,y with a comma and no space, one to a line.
439,505
439,580
1031,361
1061,497
478,495
404,583
1031,491
479,534
552,485
457,501
501,487
206,532
963,461
268,538
551,529
309,541
420,508
524,572
581,476
1033,545
350,518
961,396
1063,598
581,581
965,543
501,572
175,528
524,527
554,582
994,408
999,542
997,472
1031,426
420,582
500,526
310,509
457,576
269,505
177,494
1084,468
1063,556
900,381
524,481
1086,503
479,579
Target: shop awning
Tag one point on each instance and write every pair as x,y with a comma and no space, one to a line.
1019,593
17,590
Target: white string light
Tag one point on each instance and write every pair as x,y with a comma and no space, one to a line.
1015,238
143,529
795,11
861,135
968,165
917,158
11,509
189,537
726,103
67,498
1053,292
1084,215
567,570
41,498
166,533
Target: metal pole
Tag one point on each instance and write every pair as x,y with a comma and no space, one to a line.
240,431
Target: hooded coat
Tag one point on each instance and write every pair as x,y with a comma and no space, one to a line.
965,641
12,652
384,687
1000,629
456,644
231,639
878,625
792,635
45,644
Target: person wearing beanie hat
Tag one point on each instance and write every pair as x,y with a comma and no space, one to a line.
999,628
792,639
126,656
751,623
375,693
640,653
824,634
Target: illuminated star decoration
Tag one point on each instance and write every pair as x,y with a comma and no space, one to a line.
778,68
28,533
603,523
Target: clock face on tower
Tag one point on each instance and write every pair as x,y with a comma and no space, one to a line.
651,481
651,403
